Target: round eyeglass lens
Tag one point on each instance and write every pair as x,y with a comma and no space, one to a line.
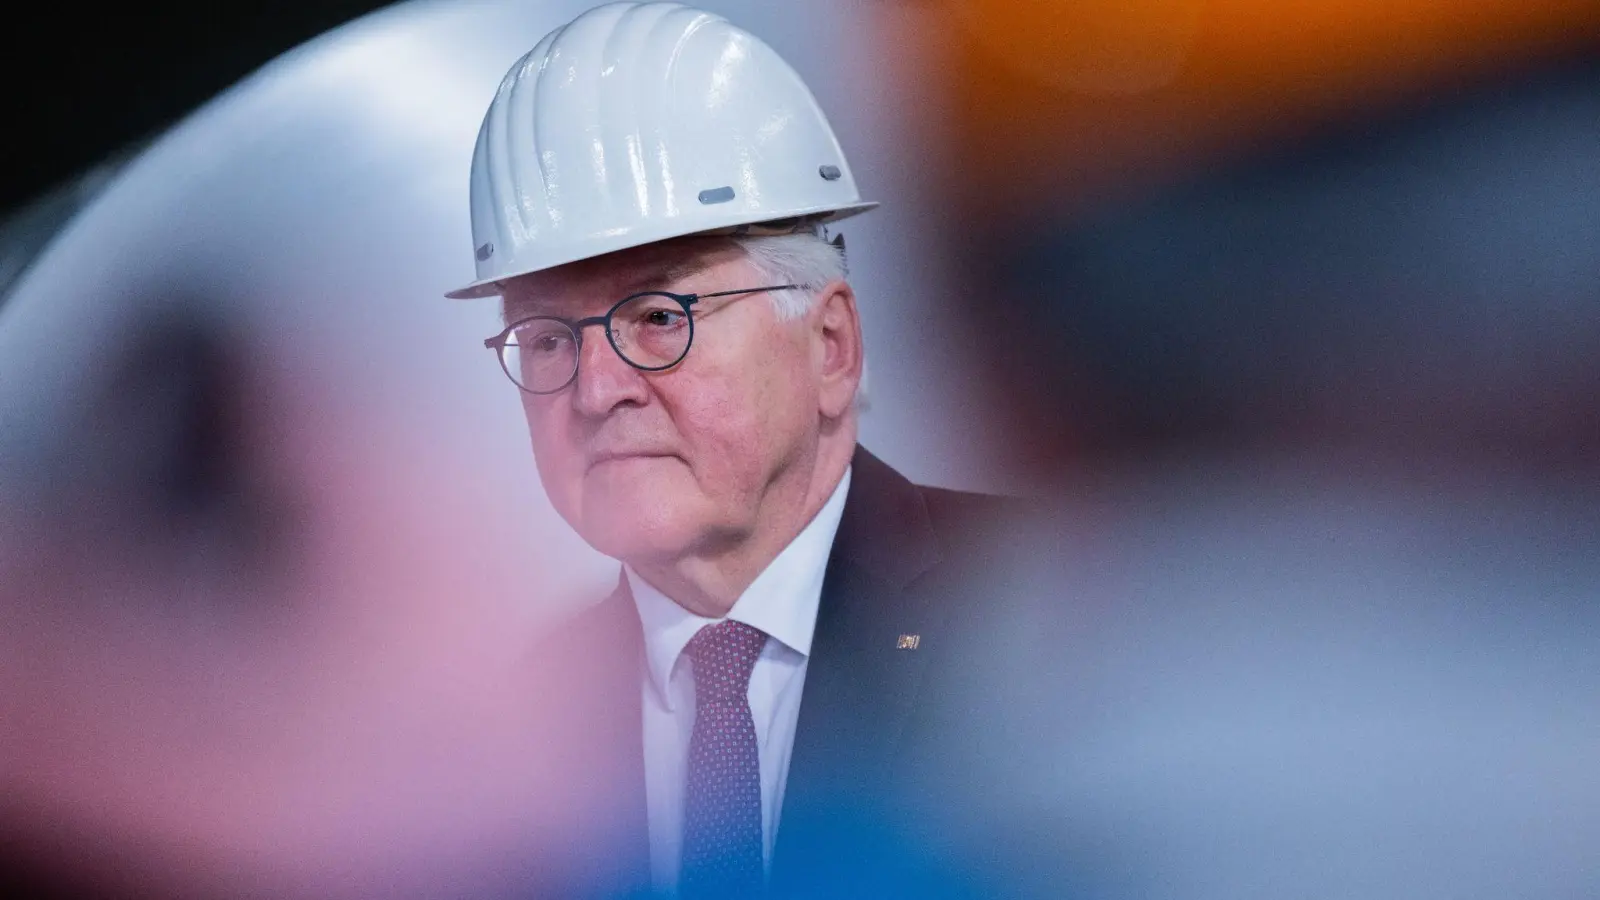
540,355
651,331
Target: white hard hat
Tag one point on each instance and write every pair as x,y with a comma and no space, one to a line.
639,122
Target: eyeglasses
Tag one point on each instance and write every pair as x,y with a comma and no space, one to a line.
651,331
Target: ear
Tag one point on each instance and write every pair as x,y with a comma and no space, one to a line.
836,348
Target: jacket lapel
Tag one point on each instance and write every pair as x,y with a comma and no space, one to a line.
862,681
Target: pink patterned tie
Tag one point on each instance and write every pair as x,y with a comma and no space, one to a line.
722,851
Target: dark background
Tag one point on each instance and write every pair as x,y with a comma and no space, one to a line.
81,88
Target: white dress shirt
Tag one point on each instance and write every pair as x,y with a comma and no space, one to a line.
782,602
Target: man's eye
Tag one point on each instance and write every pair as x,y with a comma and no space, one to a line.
663,318
547,343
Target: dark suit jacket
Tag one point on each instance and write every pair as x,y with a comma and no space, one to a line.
857,808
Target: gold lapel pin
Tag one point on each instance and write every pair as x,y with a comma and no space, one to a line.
908,642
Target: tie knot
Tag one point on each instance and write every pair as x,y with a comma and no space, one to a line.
724,655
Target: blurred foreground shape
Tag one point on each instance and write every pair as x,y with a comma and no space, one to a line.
1297,323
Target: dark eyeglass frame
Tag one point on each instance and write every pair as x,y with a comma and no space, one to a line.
577,326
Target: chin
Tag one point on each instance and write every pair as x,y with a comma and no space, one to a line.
644,527
640,542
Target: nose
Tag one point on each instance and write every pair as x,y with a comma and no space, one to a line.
605,380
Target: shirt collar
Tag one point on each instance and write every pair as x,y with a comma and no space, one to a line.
782,601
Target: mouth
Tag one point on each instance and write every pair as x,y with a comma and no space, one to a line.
600,459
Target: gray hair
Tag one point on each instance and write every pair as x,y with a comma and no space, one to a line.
804,258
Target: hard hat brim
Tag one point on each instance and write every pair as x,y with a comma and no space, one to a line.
491,287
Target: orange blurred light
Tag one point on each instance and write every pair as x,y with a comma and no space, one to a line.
1093,95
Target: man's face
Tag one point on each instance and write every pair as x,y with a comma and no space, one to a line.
657,466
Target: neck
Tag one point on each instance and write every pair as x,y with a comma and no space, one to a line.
709,585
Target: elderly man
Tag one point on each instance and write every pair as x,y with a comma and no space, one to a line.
649,192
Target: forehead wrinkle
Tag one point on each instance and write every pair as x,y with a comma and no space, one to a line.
663,268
